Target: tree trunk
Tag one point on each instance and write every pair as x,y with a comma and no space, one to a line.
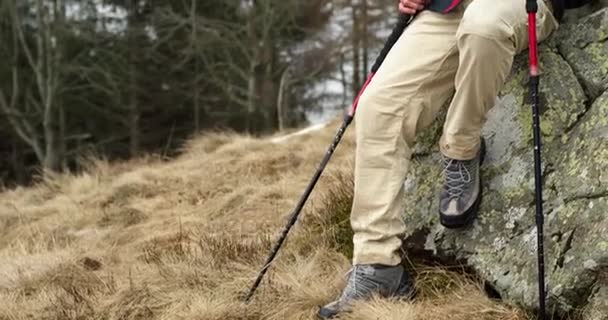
133,121
283,86
133,108
196,105
252,83
8,104
63,148
356,47
195,83
17,164
252,90
364,39
60,12
343,79
44,61
270,84
48,74
52,157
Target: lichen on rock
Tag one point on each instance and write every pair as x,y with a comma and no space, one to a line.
501,245
584,44
597,308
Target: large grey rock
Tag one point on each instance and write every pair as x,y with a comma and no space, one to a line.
585,46
501,245
597,309
575,14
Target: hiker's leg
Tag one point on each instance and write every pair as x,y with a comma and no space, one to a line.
411,86
490,34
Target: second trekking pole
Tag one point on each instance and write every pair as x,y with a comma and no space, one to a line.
532,9
392,39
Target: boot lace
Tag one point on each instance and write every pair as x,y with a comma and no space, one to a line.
458,174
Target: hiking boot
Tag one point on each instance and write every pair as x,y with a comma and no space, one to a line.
461,193
366,280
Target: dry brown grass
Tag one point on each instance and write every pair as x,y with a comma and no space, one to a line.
183,239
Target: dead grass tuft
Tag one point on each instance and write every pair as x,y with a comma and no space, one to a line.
77,281
46,239
68,291
137,303
224,248
147,239
209,143
462,299
174,248
8,221
332,221
121,194
121,216
435,282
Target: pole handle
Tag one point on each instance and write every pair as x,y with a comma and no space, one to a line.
531,6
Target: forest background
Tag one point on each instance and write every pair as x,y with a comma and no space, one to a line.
117,79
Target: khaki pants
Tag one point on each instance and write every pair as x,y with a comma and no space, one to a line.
469,51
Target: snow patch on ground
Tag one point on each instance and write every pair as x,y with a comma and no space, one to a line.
304,131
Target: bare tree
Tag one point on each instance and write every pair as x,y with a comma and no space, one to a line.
283,88
356,44
249,74
195,47
364,23
28,106
133,103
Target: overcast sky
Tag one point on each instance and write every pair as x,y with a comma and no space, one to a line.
114,16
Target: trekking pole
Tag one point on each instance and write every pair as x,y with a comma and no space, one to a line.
532,8
348,118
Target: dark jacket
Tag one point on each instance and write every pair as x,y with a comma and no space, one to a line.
560,5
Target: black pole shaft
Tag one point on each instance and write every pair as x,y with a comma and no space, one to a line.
296,212
392,39
532,9
538,180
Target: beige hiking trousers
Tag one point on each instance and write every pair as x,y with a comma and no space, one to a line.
468,51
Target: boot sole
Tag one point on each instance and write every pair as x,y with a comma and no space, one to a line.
467,218
463,220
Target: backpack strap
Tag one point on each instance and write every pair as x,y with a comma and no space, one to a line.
571,4
443,6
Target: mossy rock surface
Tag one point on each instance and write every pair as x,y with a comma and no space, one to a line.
598,305
584,44
501,245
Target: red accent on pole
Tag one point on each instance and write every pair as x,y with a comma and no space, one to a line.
353,109
533,44
452,6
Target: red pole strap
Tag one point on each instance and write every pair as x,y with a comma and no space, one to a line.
452,6
534,71
353,109
404,20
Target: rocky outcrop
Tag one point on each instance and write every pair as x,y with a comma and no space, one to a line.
584,46
501,245
597,309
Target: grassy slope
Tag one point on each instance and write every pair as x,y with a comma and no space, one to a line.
183,240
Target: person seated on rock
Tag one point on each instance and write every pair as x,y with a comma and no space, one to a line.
466,52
